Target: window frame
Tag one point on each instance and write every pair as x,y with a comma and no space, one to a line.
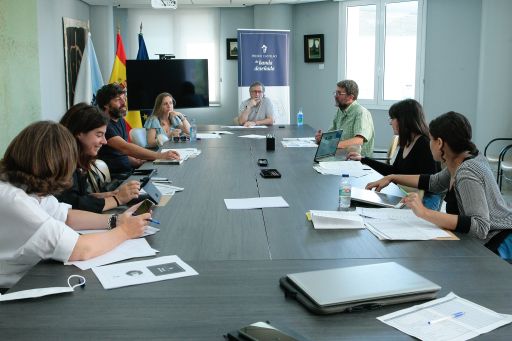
378,101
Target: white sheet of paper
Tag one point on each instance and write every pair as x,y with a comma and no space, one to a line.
298,142
251,203
208,136
242,127
475,321
145,271
167,189
148,231
336,220
254,136
222,132
129,249
353,168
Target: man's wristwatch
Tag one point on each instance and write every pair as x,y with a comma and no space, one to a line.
112,221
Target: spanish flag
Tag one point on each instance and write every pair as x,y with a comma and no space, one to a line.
118,75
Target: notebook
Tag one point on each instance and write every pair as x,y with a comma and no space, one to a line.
328,146
361,287
376,198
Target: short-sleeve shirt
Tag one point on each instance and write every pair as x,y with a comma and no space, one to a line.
154,123
32,228
264,110
356,120
116,161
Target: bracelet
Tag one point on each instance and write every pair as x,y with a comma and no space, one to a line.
117,201
112,221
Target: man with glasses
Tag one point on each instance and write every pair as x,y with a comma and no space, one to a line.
257,110
355,120
120,155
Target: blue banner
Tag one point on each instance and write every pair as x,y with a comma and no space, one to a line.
263,56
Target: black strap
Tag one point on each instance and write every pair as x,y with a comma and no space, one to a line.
496,241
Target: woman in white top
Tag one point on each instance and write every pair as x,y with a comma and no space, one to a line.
38,163
165,121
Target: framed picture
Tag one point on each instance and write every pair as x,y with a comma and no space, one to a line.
75,37
314,48
231,48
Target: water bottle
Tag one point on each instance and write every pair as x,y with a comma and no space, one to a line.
300,118
345,193
193,130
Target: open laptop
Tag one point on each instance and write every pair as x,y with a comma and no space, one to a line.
376,198
328,145
363,287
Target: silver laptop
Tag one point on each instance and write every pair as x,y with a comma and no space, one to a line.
376,198
328,145
377,284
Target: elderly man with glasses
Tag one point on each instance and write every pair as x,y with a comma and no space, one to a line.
355,120
257,110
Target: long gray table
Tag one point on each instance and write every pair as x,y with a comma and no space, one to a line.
240,256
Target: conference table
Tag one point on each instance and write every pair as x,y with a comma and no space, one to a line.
241,254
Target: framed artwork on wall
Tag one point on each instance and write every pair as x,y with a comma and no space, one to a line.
231,48
75,37
314,48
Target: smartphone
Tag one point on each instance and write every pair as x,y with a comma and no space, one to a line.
262,162
145,207
263,331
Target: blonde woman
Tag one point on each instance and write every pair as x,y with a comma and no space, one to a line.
164,122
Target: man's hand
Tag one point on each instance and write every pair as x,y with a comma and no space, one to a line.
318,136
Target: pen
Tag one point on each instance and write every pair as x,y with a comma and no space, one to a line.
403,191
154,221
449,317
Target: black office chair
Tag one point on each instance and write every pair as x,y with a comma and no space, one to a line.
503,166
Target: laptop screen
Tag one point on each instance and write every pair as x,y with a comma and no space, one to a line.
328,144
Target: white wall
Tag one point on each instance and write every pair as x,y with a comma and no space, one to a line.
51,52
494,111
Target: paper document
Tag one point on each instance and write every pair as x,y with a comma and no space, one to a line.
145,271
299,142
242,127
354,169
148,231
451,318
254,136
185,153
167,189
203,136
251,203
129,249
336,220
393,224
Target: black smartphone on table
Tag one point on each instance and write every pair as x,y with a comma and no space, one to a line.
262,162
145,207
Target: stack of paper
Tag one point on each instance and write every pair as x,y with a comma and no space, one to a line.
447,318
242,127
203,136
185,153
254,136
336,220
354,169
298,142
167,189
393,224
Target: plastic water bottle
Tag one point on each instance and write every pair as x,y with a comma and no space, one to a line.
344,193
193,130
300,118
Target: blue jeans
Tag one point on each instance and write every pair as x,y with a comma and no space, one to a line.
432,201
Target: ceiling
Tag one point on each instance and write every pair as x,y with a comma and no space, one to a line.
196,3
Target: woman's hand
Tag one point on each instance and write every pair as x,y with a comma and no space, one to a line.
132,225
128,191
413,201
354,156
380,184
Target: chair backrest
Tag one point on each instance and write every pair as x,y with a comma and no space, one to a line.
392,148
138,136
99,175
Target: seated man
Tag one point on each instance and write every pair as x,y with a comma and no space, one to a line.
257,110
355,120
120,155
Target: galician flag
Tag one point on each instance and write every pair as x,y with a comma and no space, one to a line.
89,76
118,75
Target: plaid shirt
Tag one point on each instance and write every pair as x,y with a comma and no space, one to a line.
356,120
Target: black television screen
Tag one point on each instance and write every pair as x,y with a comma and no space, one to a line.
185,79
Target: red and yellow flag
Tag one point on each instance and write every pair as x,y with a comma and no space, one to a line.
118,75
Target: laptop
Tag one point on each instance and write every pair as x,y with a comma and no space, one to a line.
376,198
328,145
362,287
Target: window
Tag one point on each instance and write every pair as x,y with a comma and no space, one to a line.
382,49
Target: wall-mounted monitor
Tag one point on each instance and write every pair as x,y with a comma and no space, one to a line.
185,79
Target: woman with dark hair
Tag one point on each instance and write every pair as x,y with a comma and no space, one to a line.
164,121
38,163
474,203
414,157
88,125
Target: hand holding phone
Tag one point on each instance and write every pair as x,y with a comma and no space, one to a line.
145,207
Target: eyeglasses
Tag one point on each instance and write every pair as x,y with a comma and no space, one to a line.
338,93
182,138
257,91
